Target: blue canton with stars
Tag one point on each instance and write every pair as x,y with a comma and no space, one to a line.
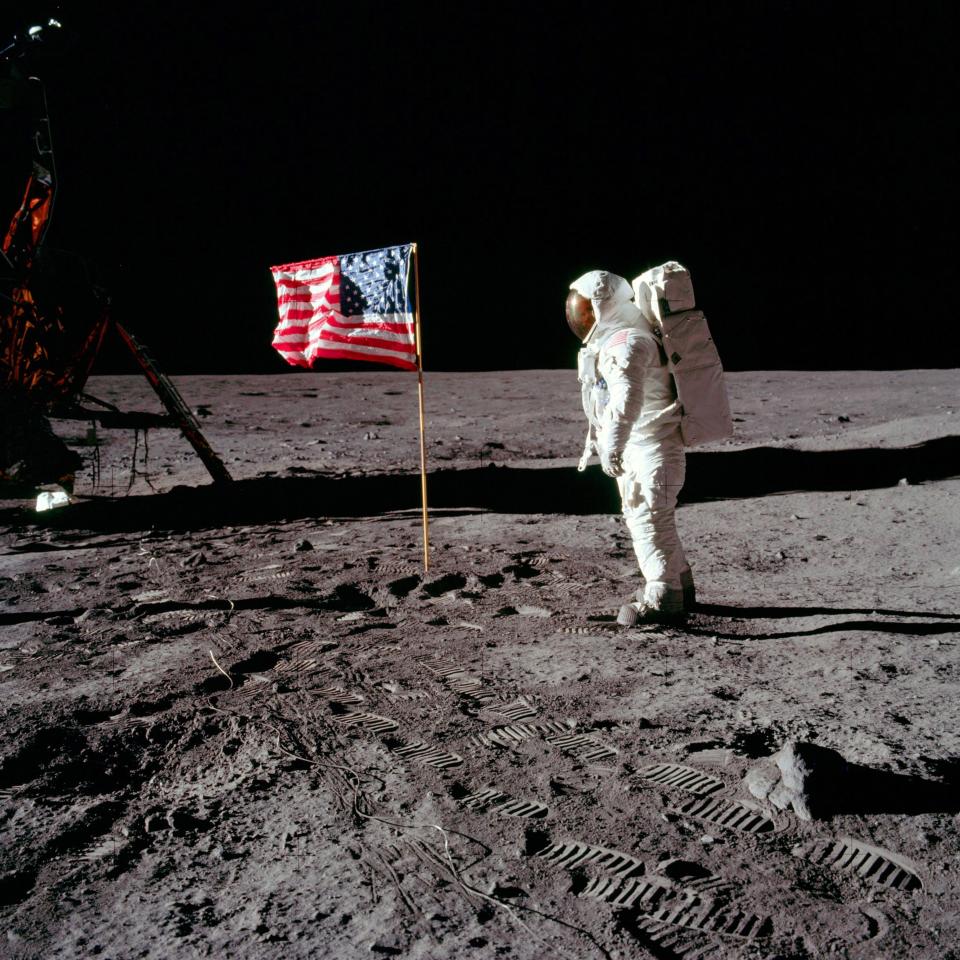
374,282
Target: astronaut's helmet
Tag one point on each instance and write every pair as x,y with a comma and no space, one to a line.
580,315
594,296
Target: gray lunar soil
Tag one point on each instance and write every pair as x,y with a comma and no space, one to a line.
243,721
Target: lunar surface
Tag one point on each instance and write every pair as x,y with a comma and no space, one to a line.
243,720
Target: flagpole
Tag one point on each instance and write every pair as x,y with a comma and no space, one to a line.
423,442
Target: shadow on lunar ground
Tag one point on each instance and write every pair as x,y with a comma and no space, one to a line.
773,613
866,790
733,474
835,786
871,626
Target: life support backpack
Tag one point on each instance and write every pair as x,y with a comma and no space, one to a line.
664,295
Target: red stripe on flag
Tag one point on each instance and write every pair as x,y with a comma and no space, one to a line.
305,265
341,324
296,339
321,313
317,325
331,296
357,355
368,342
297,360
296,283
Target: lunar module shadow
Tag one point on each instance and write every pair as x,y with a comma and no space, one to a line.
759,471
735,474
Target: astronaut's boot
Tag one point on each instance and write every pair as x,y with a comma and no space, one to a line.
659,604
631,614
687,585
638,612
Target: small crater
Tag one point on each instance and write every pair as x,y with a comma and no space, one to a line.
41,752
85,718
147,708
258,662
16,886
403,586
94,823
578,881
535,840
683,871
128,585
605,724
348,597
507,892
444,584
755,743
522,571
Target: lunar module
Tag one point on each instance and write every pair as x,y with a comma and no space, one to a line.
53,316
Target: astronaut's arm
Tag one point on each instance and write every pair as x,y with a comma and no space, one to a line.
625,368
587,374
590,448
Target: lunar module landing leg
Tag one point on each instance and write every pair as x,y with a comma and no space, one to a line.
181,415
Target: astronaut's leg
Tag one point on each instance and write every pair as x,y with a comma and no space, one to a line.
655,474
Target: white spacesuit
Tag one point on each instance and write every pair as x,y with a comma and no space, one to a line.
631,404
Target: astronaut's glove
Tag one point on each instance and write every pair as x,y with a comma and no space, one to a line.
611,463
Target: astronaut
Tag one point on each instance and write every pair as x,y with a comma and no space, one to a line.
631,404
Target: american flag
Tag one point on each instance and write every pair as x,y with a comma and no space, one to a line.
352,307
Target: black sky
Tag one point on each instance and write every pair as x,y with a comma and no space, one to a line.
797,157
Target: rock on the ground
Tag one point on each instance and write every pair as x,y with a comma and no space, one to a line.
807,777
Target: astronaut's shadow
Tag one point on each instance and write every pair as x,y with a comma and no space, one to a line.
906,624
